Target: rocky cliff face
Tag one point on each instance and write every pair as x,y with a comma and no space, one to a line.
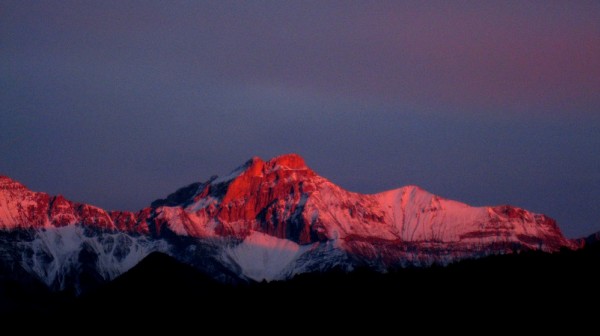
283,198
265,220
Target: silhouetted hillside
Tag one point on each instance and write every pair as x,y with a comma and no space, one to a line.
519,284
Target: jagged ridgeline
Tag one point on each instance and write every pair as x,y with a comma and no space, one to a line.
266,220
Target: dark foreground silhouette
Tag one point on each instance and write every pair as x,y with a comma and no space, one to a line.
516,286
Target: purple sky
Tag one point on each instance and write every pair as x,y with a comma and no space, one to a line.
486,102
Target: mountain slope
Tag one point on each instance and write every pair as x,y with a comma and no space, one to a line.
21,208
285,199
265,220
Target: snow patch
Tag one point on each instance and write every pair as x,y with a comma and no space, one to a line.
201,204
54,253
231,176
264,257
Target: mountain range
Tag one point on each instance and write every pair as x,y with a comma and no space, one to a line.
266,220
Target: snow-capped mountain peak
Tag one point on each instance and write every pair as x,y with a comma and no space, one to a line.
266,219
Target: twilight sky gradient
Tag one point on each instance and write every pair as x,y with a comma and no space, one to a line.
486,102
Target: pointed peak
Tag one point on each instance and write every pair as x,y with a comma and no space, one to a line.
291,161
255,164
254,161
257,167
414,188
